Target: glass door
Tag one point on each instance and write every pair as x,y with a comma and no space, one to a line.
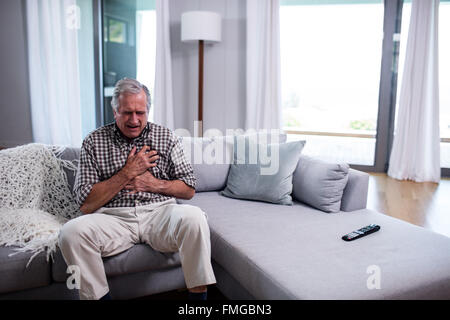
129,46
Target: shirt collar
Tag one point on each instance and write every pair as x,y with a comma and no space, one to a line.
121,137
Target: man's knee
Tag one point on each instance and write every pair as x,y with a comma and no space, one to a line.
71,233
193,217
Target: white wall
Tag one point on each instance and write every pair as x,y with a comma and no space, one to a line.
224,68
15,119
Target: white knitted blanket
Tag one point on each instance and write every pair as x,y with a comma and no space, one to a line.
35,200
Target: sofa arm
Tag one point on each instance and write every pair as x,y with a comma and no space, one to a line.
356,191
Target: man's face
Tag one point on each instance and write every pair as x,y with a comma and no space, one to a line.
131,116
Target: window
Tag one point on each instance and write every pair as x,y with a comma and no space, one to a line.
330,75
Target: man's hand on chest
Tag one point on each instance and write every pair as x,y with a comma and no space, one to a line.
139,163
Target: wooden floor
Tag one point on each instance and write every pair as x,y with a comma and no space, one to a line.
424,204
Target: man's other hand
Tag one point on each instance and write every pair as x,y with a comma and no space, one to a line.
146,182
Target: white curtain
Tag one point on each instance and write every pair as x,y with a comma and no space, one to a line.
263,65
146,50
415,152
54,71
163,109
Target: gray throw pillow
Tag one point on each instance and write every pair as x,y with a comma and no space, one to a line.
211,158
320,184
263,172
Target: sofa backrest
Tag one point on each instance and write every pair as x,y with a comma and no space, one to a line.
73,155
213,176
356,191
330,187
203,153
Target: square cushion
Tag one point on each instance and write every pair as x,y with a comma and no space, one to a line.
15,276
138,258
263,172
320,184
211,157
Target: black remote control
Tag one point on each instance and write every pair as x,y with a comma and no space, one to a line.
361,232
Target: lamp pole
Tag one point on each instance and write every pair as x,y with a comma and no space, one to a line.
201,44
200,26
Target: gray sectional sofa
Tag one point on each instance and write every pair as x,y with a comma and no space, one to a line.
267,251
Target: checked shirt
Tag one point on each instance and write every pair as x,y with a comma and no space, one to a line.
105,151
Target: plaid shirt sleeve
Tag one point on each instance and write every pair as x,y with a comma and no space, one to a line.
180,168
88,172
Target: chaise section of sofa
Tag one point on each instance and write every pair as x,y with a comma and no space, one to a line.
262,250
270,251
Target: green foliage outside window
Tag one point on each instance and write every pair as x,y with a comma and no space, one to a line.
368,125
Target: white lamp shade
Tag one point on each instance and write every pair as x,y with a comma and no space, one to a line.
201,25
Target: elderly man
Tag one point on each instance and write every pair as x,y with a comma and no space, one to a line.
130,173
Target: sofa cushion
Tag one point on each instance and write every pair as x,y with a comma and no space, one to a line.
255,178
296,252
320,184
356,191
211,158
73,155
16,276
138,258
210,177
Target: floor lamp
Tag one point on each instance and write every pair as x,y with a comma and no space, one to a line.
201,26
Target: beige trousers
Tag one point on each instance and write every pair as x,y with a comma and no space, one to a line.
165,226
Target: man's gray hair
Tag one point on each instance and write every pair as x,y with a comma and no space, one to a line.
130,86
